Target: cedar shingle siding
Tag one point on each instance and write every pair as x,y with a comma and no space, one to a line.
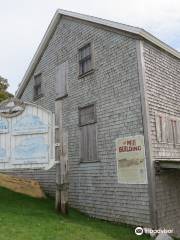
115,88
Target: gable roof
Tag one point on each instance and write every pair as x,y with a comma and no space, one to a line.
114,25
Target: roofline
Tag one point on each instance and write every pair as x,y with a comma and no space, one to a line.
114,25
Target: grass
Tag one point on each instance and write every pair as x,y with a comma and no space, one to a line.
26,218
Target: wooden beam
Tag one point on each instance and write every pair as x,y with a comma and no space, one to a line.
62,160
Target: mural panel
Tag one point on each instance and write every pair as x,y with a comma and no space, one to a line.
26,136
29,124
131,160
31,150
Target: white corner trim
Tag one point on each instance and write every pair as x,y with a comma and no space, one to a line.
147,132
159,43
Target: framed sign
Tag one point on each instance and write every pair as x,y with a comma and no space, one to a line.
130,156
26,136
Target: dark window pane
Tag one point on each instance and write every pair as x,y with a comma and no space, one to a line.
85,67
88,65
37,86
80,69
87,51
37,79
85,64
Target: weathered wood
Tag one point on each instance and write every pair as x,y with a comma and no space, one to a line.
57,156
20,185
87,122
61,80
64,173
62,161
88,143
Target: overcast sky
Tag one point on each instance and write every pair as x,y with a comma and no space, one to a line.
23,24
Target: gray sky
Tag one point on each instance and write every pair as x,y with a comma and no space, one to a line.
23,24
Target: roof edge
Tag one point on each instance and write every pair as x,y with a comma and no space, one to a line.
38,53
123,27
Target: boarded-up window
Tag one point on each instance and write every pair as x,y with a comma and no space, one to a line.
87,122
167,129
61,80
37,86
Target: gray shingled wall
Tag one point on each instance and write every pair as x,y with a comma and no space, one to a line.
114,86
162,73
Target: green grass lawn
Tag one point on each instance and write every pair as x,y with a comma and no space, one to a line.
26,218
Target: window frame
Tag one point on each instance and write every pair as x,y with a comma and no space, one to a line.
36,86
85,59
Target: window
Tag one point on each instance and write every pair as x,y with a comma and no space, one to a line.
87,122
167,129
61,80
37,86
85,59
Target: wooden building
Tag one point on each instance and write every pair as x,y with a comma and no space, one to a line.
119,88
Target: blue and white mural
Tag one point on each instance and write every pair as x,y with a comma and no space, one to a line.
27,136
29,124
3,126
31,150
2,154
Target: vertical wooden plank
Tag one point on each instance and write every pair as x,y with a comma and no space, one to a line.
64,174
84,143
177,131
169,130
92,142
57,156
62,160
163,128
61,80
81,145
